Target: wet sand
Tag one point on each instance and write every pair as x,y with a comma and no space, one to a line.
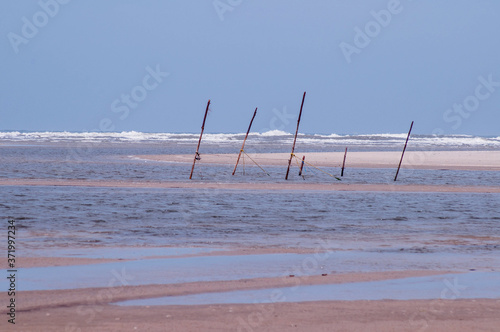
251,186
407,316
95,309
442,316
91,309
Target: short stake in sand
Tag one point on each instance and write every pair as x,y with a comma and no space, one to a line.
295,139
197,154
404,149
302,165
243,145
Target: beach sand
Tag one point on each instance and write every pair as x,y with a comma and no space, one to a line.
410,316
92,309
451,160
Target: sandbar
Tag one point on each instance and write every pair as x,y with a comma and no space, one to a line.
449,160
335,186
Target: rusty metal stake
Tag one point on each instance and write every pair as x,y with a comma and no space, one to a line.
302,165
343,164
404,149
295,139
197,155
243,145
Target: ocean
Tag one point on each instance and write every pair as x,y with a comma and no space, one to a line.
85,217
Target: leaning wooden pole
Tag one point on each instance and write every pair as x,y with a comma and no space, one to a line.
404,149
343,163
295,139
243,145
197,154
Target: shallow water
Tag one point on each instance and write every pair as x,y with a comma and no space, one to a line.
122,253
378,222
106,161
449,286
352,231
235,267
73,216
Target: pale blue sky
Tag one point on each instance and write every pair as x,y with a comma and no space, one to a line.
90,65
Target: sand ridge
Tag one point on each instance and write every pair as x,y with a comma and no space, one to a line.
297,187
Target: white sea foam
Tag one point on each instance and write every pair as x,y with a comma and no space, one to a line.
275,133
383,135
327,136
271,136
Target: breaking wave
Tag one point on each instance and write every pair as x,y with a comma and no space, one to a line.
271,136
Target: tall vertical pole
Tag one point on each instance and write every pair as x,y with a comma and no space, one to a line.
295,139
404,149
343,164
243,145
197,155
